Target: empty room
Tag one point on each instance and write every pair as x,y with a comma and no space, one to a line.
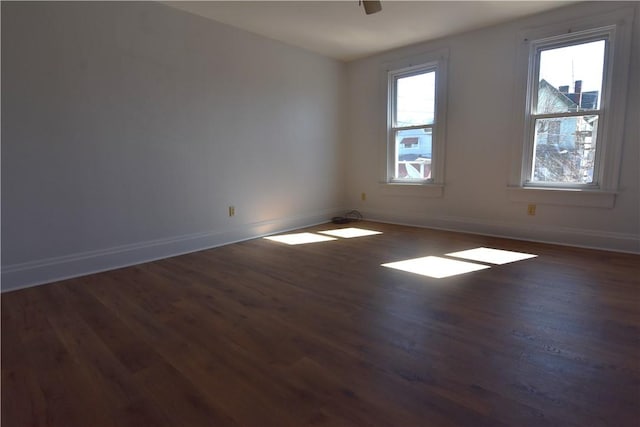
333,213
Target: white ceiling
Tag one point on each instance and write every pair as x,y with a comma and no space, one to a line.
341,30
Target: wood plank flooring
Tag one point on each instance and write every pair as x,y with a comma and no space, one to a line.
260,333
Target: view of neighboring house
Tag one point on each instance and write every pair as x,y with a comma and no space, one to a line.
565,146
414,153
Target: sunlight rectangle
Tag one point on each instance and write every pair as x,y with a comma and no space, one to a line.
491,256
300,238
436,267
350,232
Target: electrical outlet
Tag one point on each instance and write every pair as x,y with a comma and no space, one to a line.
363,196
531,210
232,210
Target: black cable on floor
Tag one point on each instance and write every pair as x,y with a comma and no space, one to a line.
351,216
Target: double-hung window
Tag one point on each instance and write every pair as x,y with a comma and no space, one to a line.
574,109
568,105
415,120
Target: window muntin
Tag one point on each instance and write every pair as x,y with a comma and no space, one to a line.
412,123
567,92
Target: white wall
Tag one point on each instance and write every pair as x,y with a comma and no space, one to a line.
129,128
481,83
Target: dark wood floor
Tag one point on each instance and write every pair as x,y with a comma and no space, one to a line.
264,334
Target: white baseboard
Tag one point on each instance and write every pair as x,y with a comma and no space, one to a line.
38,272
593,239
33,273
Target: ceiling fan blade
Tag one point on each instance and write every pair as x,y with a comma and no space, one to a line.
371,6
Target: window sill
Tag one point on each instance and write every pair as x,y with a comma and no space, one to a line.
563,196
412,190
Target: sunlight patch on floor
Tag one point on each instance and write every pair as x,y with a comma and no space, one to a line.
491,256
436,267
300,238
350,232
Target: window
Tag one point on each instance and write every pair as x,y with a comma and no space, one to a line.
574,98
415,120
412,120
567,94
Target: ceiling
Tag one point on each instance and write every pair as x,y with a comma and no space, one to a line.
341,30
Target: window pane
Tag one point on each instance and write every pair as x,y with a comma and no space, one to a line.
415,99
571,78
565,149
413,154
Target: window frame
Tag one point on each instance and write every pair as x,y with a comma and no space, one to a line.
531,115
393,128
618,25
435,61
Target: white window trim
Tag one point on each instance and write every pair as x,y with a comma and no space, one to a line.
618,24
392,128
606,33
438,61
